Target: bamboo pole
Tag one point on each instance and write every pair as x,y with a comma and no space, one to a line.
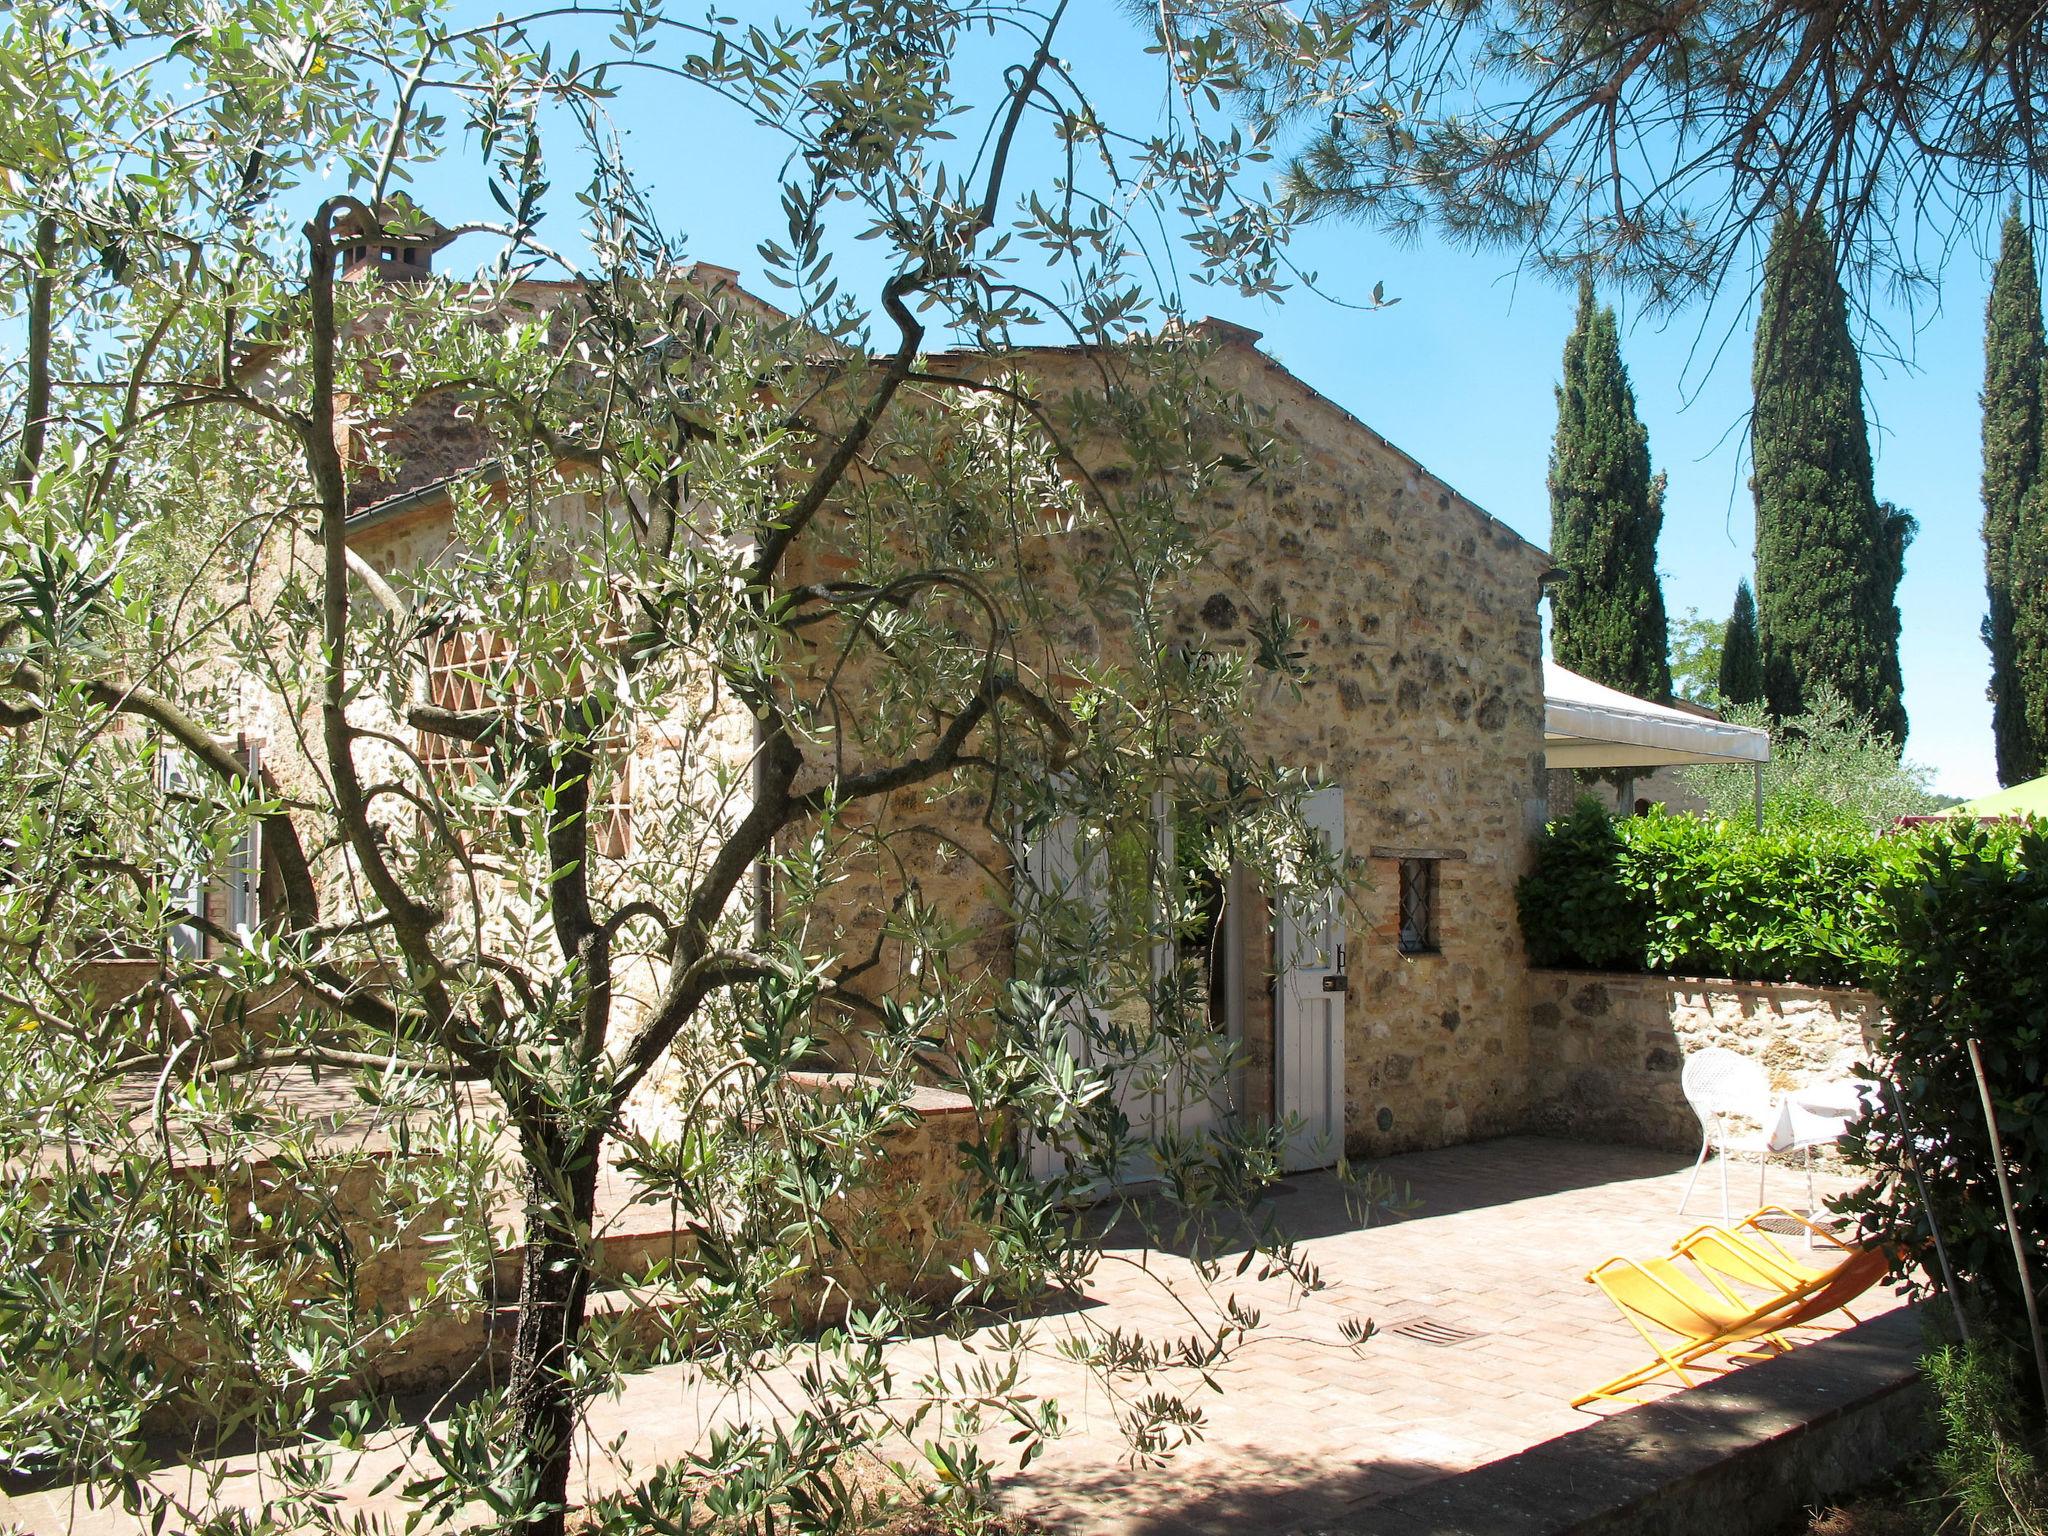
1912,1161
2012,1226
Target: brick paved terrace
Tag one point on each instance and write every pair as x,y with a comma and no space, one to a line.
1485,1329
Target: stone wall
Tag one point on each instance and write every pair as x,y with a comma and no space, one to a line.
1606,1048
908,1223
901,1226
1424,703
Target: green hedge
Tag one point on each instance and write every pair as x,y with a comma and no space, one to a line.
1686,897
1969,958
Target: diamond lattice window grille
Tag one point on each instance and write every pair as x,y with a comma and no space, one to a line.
1418,906
469,671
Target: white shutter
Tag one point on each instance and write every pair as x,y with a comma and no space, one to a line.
1309,956
178,779
1054,876
1069,864
245,873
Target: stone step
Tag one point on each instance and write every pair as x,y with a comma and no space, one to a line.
1746,1455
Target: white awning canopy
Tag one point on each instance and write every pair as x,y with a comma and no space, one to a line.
1586,725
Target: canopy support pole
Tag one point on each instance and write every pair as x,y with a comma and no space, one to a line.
1756,775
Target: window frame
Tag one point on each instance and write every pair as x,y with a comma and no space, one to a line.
1419,882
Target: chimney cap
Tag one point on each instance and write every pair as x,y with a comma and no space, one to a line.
398,239
397,217
1226,331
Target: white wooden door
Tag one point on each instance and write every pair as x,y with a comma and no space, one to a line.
1156,1092
1309,959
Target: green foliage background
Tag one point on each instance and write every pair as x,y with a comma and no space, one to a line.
2013,358
1741,680
1829,767
1682,896
1967,956
1696,645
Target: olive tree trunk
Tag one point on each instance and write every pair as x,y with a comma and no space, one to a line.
554,1285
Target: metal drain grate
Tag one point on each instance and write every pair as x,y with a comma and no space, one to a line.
1427,1330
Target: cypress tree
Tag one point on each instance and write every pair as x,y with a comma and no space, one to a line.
1828,557
1606,509
1742,662
2013,354
2027,571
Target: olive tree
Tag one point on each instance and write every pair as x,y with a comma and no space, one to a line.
787,567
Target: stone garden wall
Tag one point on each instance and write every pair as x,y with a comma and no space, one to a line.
1606,1048
901,1226
908,1221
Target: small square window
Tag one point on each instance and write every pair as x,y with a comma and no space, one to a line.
1418,906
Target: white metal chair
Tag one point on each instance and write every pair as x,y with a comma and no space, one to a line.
1730,1093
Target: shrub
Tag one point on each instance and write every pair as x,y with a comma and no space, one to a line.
1829,767
1577,905
1786,906
1985,1471
1968,957
1688,897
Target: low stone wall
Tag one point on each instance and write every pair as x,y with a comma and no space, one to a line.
1606,1048
226,1018
901,1227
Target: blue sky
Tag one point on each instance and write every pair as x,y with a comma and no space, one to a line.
1461,371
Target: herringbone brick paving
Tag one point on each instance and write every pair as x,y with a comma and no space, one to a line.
1308,1426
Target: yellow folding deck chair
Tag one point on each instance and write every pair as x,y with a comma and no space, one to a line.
1659,1292
1706,1321
1748,1254
1790,1293
1862,1269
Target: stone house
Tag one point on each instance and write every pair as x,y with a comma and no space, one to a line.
1397,1020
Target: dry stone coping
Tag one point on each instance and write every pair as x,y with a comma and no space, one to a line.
1716,983
926,1102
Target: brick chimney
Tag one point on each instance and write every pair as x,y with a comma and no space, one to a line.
400,248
